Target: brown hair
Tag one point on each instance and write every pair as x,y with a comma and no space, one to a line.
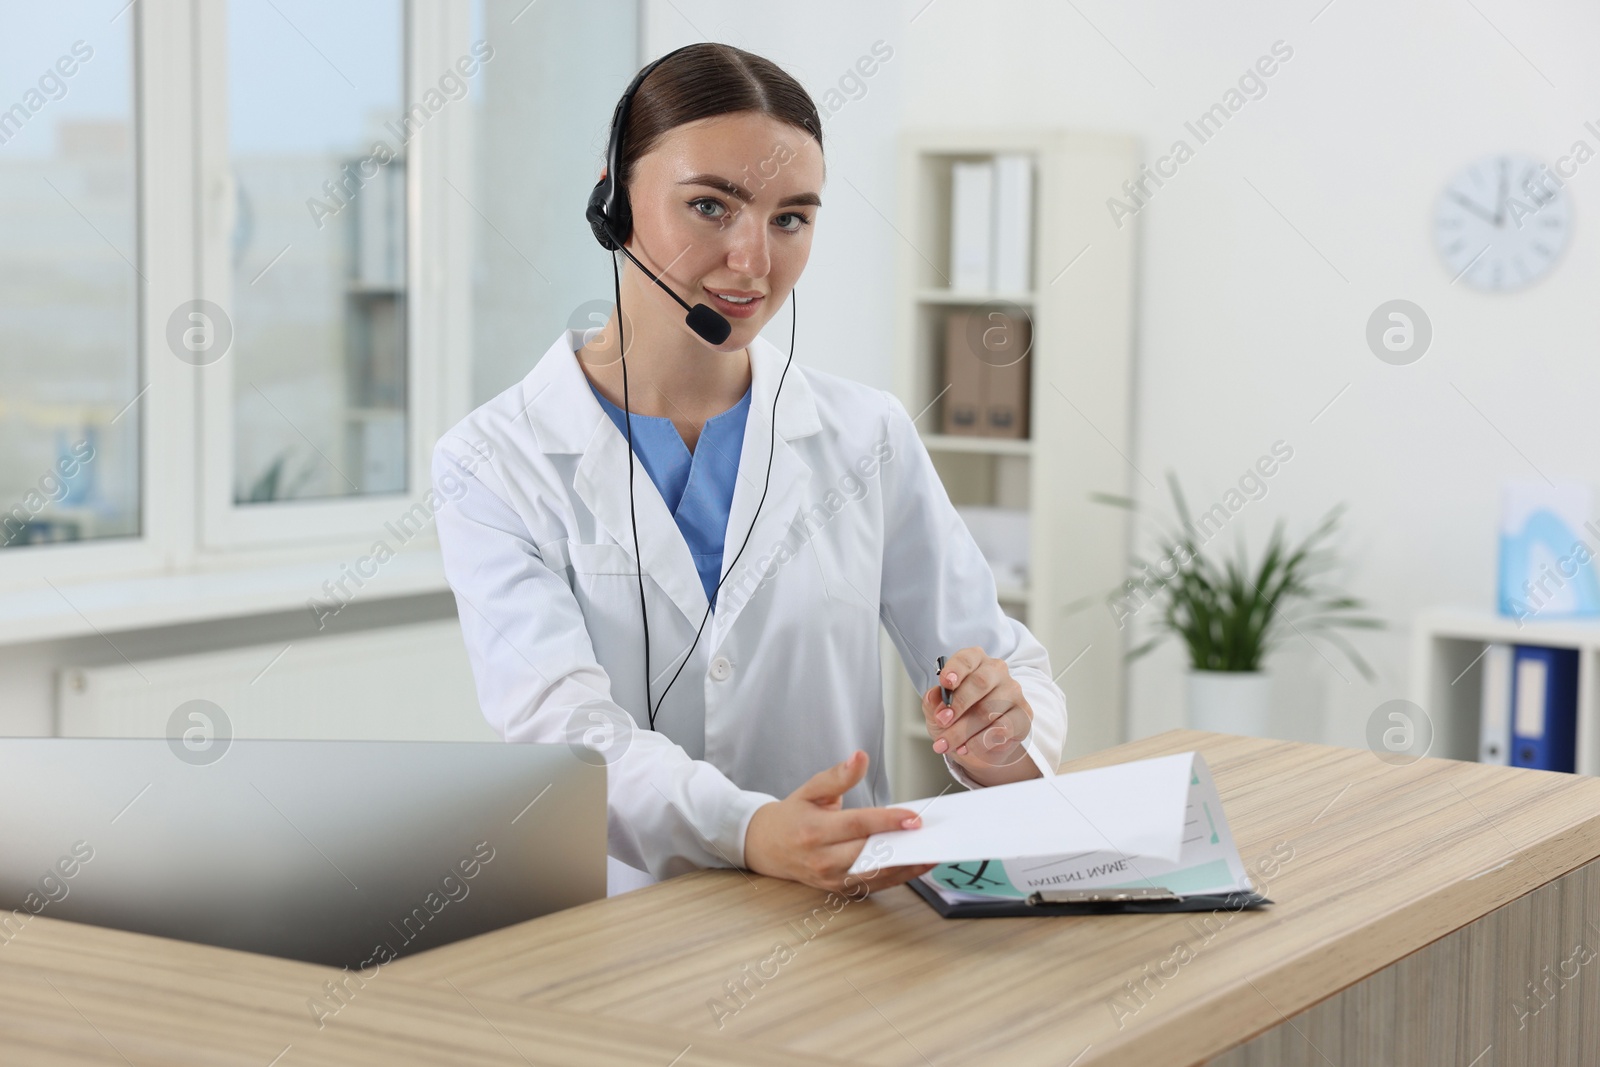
708,79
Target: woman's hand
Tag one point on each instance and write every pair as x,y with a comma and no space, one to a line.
808,837
987,722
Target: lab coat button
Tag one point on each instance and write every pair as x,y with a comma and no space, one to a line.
721,668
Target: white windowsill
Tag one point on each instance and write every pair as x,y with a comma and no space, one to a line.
125,604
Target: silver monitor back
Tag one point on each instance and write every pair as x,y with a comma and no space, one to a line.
335,852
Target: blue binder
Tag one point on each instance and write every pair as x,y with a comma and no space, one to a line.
1545,708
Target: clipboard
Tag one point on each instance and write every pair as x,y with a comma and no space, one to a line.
1087,902
1176,852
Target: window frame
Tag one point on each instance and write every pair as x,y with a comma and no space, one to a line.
164,397
225,524
187,519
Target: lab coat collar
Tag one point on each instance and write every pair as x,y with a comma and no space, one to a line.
566,418
565,423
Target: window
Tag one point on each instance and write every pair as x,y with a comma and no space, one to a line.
69,283
320,203
316,249
259,254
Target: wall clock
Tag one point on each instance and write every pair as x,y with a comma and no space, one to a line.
1502,222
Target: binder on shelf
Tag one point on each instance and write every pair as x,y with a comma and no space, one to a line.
1013,222
988,394
972,225
1005,385
1545,702
962,411
1494,706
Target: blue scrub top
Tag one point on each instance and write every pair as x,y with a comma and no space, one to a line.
696,486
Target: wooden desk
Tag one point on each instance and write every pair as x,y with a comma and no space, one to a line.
1414,906
75,994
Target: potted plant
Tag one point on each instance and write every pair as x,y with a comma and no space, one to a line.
1231,617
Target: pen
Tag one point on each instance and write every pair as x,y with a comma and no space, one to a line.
942,690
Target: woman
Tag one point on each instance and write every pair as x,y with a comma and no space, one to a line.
786,511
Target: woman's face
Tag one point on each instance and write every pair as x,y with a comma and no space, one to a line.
723,209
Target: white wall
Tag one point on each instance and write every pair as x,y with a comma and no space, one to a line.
1248,328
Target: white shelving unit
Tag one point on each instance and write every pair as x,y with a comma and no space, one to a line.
1080,413
1447,673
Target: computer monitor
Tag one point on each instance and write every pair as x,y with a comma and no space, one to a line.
347,853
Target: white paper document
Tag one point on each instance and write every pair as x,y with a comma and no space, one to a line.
1146,823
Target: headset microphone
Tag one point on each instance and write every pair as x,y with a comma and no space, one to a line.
708,324
712,327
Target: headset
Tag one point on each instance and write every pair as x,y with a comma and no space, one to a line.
611,218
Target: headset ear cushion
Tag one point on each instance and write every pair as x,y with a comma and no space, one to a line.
596,214
621,217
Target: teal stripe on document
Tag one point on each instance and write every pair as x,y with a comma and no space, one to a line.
1201,878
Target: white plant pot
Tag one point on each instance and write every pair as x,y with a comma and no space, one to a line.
1230,702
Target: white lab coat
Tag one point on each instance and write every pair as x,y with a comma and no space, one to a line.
785,680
